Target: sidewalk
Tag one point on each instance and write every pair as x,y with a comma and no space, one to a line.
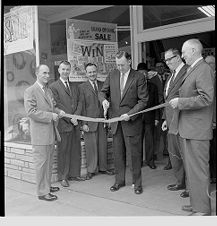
93,197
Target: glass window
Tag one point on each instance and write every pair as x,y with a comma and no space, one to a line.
155,16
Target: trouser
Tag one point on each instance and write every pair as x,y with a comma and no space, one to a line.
43,157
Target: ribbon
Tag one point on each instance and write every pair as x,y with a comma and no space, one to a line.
116,119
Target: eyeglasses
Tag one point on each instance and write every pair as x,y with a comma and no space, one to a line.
169,59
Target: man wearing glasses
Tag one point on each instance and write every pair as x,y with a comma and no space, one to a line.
171,90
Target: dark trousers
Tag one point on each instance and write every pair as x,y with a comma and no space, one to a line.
149,142
69,154
212,151
132,145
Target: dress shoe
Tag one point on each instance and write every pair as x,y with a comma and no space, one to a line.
65,183
89,176
199,214
116,187
54,189
168,166
176,187
184,194
48,197
151,165
170,185
138,190
108,172
188,208
76,178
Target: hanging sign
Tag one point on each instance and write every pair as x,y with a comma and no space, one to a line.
90,42
18,29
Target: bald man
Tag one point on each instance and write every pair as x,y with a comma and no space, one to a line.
195,103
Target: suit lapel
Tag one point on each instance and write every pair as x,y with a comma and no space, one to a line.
43,94
90,87
128,82
178,77
64,88
190,69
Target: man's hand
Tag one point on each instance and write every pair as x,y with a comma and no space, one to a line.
164,126
55,117
156,122
174,103
105,105
125,117
61,113
74,120
85,128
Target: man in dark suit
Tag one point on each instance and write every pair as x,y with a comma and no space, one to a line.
95,134
66,96
127,91
171,90
43,114
159,80
195,125
150,119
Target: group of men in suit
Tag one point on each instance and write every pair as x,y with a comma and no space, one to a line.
188,119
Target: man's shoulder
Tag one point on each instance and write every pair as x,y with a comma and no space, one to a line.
54,84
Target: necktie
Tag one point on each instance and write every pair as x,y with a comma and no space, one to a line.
172,80
67,87
95,87
122,84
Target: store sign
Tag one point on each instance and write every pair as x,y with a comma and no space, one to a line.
18,29
90,42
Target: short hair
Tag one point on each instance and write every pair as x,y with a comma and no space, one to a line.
121,53
89,64
174,51
65,62
38,68
210,59
142,66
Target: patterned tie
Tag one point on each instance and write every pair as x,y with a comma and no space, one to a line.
95,87
172,80
122,83
67,87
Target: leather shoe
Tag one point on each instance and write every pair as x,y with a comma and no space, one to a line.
176,187
184,194
152,165
48,197
54,189
168,166
108,172
199,214
138,190
187,208
89,176
171,185
116,187
76,178
65,183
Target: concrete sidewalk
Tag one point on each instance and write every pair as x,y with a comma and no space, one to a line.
93,197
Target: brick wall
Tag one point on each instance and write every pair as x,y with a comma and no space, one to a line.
19,161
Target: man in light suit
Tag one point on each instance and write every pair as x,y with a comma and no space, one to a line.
95,135
127,91
171,90
40,108
195,125
66,95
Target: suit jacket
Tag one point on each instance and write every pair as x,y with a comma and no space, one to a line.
160,87
170,114
39,108
134,99
91,106
151,116
66,101
195,102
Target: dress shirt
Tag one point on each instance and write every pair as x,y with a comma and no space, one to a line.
63,81
41,86
125,77
91,82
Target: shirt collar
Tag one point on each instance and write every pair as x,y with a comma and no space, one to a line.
64,81
200,58
179,68
40,85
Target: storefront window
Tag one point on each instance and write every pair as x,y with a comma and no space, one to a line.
159,15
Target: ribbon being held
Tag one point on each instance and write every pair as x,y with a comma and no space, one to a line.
116,119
